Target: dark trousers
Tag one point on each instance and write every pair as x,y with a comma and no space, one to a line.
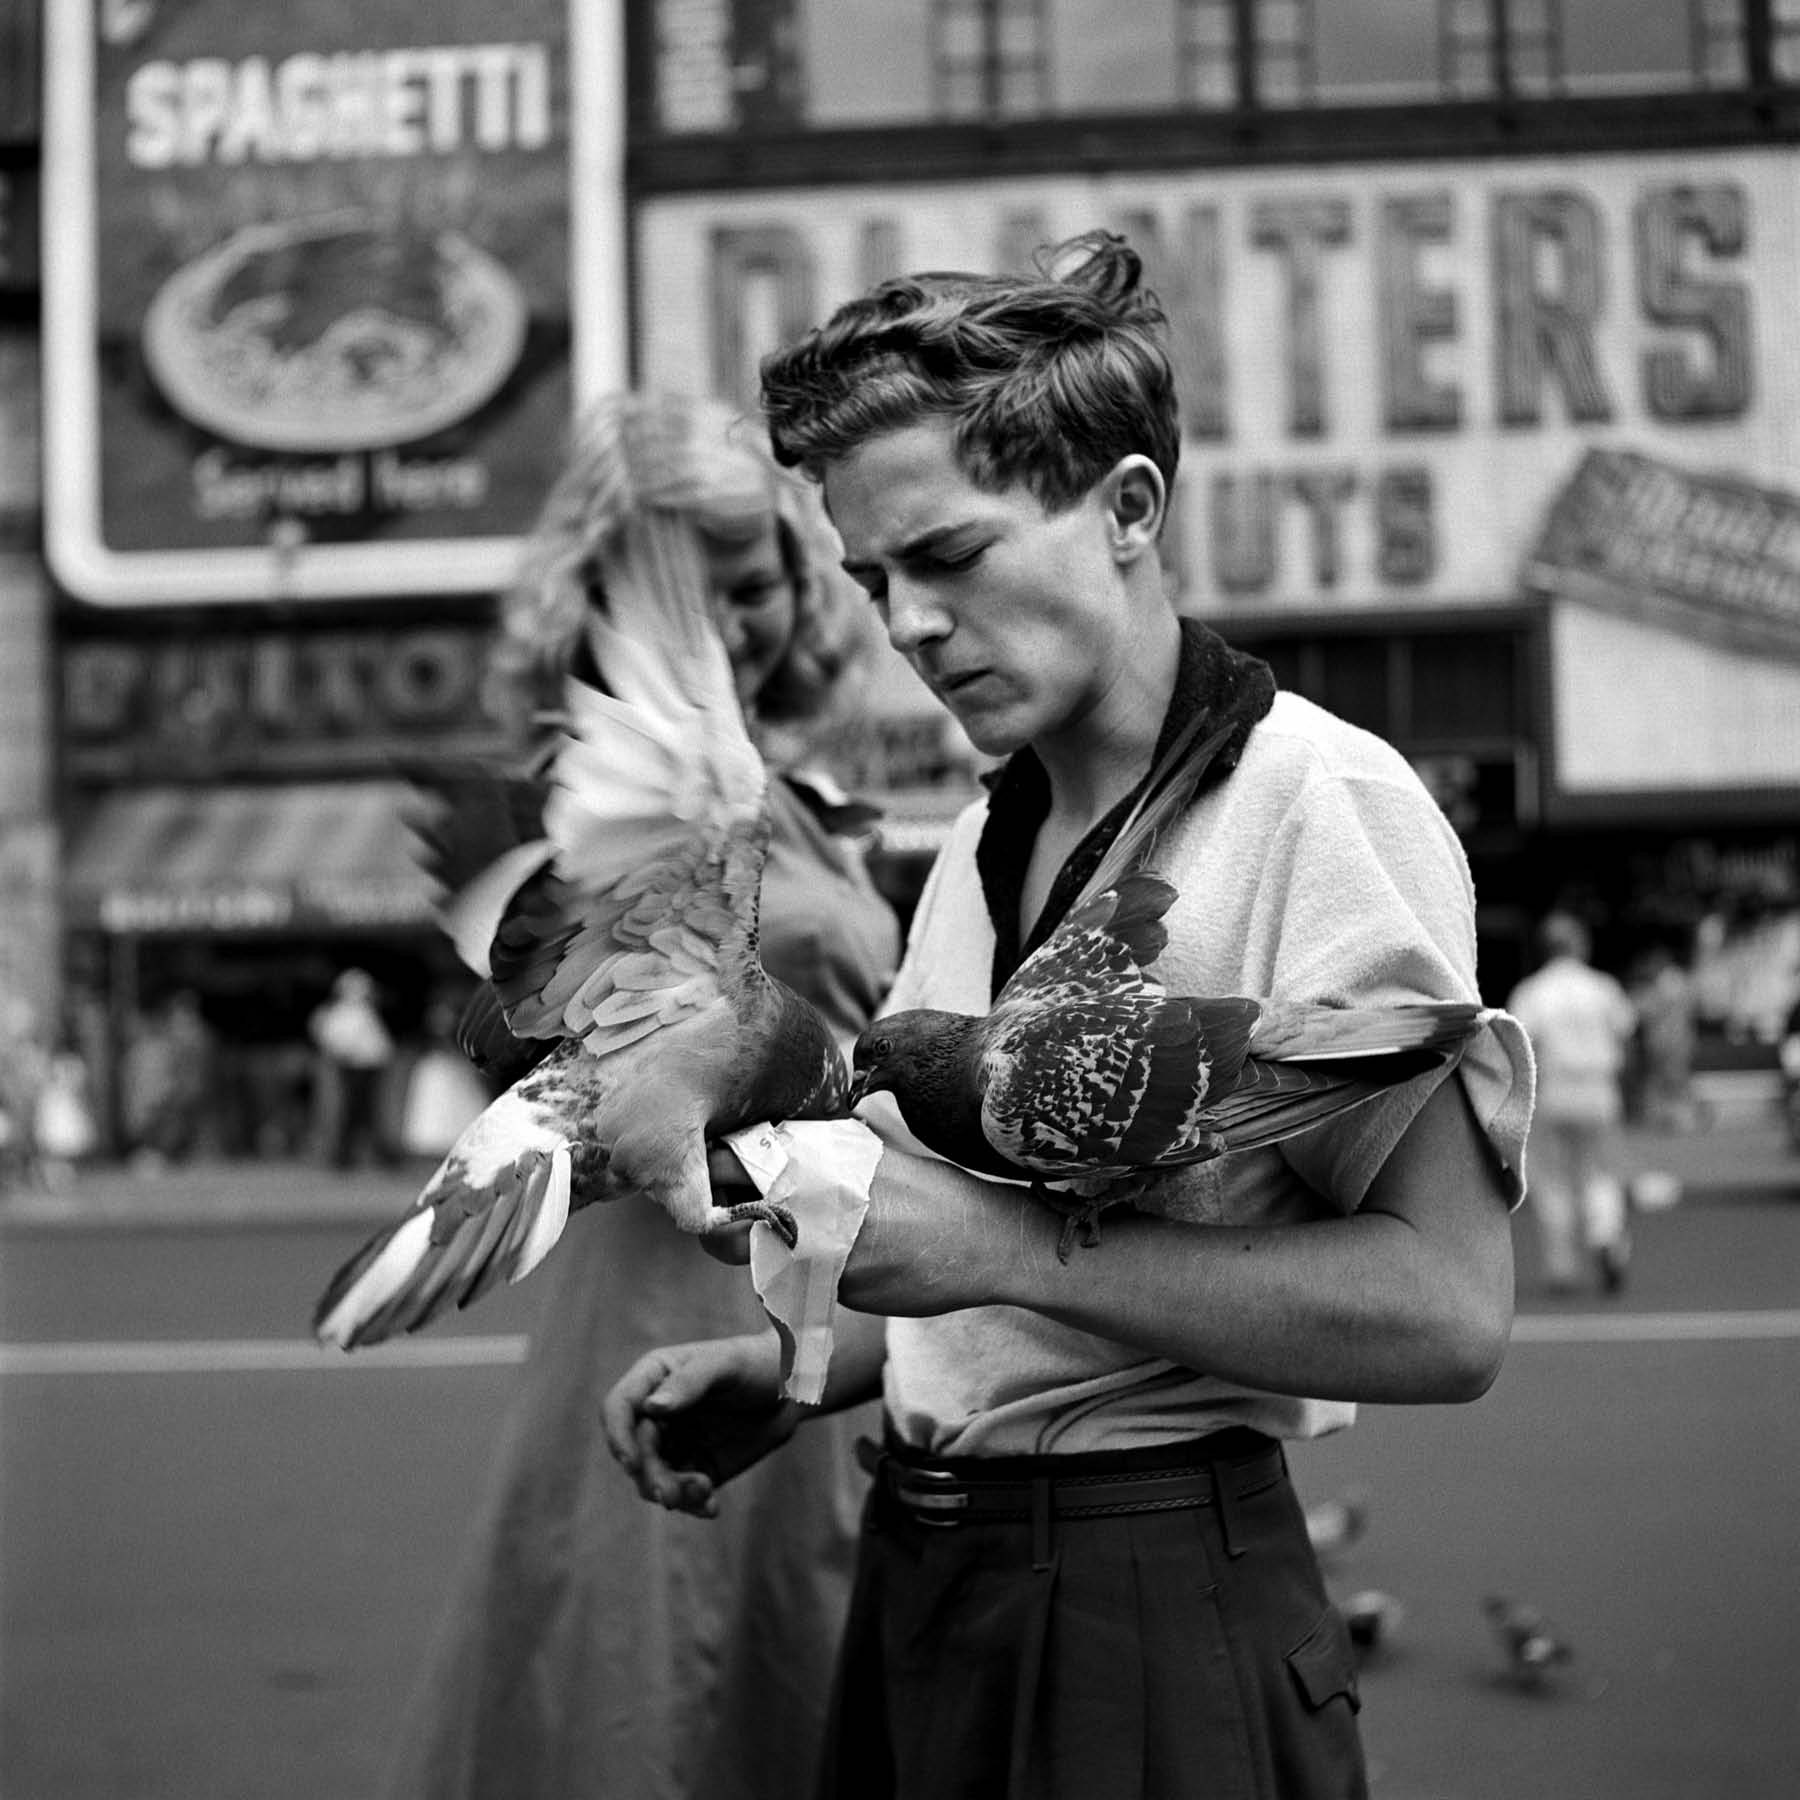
1163,1655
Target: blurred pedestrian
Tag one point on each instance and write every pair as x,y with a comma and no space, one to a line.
592,1646
1788,1055
1580,1022
21,1076
64,1129
355,1051
1664,997
166,1082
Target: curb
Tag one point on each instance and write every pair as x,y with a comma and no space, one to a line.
223,1195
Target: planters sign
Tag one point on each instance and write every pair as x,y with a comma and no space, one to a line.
1388,373
311,300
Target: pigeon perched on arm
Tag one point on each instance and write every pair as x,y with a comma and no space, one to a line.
1088,1075
623,939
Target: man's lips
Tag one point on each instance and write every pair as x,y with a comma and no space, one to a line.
959,681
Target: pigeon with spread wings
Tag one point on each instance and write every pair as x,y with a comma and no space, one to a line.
625,934
1088,1075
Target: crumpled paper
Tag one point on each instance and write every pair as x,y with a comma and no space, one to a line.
820,1169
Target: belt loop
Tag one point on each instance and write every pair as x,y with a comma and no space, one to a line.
1041,1538
1224,1504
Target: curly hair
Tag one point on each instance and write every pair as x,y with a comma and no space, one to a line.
1049,378
709,466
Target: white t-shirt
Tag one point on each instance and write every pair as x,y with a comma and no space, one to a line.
1320,870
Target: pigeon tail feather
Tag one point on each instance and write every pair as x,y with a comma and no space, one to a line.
1300,1032
1280,1101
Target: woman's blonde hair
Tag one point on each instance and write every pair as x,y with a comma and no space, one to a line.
710,468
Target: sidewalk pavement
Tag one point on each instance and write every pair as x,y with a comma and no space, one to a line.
1753,1157
222,1193
1730,1161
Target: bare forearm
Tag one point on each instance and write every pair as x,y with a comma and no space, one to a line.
1408,1299
1351,1309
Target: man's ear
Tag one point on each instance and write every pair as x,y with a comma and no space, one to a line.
1136,499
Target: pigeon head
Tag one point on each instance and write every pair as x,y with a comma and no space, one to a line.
913,1055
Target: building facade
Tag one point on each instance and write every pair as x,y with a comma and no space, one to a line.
1481,309
1491,408
311,341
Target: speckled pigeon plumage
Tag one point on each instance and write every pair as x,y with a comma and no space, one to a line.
622,939
1088,1075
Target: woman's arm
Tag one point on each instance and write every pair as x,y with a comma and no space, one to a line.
1407,1299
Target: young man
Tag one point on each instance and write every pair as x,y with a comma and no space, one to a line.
1084,1572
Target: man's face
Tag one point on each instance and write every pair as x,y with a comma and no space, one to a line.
1014,617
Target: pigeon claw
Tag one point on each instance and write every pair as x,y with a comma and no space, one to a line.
1081,1223
765,1212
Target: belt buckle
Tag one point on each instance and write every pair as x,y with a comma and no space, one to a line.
942,1509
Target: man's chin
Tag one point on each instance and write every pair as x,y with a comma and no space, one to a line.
993,733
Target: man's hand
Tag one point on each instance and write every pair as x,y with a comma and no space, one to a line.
682,1421
937,1239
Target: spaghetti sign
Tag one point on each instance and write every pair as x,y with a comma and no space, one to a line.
310,304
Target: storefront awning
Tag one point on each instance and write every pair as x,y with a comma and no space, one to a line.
306,856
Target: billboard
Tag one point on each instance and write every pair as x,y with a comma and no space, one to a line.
1406,387
326,284
1388,371
1674,630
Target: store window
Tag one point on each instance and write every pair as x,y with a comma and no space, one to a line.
1284,51
1784,39
867,62
1465,684
1372,52
1207,43
1353,679
989,58
1413,688
1501,47
1720,52
21,72
724,65
1644,46
1536,48
1111,59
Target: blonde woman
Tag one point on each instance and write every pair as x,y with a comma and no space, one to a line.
593,1646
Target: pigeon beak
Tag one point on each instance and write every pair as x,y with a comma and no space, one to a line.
858,1090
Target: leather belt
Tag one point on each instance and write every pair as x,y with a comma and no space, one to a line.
1240,1463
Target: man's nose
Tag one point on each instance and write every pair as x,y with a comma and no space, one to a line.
914,618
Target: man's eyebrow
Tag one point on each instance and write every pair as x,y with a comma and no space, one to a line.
922,545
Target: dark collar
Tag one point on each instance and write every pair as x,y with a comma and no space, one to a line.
1212,678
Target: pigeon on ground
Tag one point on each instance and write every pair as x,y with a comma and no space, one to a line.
617,927
1086,1073
1372,1618
1532,1644
1332,1526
